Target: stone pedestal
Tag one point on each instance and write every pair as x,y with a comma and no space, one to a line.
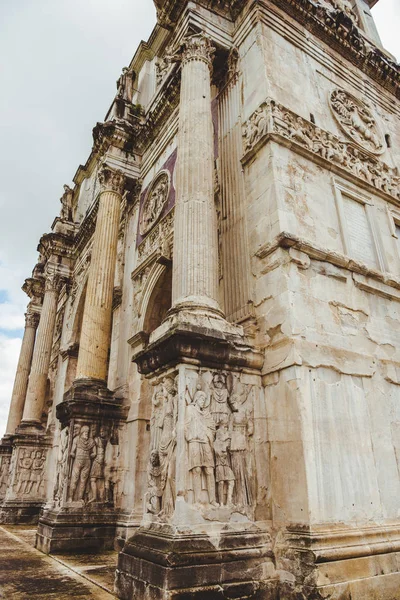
204,532
26,487
81,514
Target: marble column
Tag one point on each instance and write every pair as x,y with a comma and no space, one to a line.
195,266
36,394
97,315
22,375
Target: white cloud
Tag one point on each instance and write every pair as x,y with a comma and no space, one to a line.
9,353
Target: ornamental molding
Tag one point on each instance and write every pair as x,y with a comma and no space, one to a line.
357,121
118,133
111,180
331,22
273,121
34,288
155,201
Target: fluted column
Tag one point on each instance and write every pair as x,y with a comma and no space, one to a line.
36,394
22,375
97,316
195,266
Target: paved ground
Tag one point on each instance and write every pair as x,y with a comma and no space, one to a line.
26,573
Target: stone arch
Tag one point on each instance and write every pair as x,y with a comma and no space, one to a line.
156,298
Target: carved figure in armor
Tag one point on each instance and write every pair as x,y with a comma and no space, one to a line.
219,399
163,64
224,475
125,85
297,131
200,434
97,476
4,471
250,134
82,451
261,122
35,479
241,428
155,491
346,7
25,462
167,443
66,204
62,463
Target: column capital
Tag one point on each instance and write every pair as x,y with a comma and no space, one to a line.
32,319
111,180
53,282
197,47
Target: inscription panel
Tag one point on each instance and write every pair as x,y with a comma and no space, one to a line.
361,243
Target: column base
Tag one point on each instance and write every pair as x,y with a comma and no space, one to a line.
199,567
195,336
26,486
76,528
20,512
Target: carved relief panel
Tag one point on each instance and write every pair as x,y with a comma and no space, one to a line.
85,464
154,202
29,472
202,445
5,460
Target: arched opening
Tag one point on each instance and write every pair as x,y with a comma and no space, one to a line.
160,301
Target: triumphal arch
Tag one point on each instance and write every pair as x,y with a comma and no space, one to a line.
209,377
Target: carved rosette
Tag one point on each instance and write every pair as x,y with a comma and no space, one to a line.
32,319
155,201
197,47
356,120
111,180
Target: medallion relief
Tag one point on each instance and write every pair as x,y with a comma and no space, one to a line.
154,202
356,120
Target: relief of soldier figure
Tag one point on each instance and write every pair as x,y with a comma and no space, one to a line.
30,464
87,464
218,430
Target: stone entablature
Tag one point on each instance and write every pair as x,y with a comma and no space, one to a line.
273,121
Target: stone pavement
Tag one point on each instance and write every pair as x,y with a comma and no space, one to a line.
26,573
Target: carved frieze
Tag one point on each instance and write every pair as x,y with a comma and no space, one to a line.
356,120
273,119
155,201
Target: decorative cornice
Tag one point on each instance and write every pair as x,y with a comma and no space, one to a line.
118,133
34,288
86,230
56,243
273,121
168,11
111,180
340,31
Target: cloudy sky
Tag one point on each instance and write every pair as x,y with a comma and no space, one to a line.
60,61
